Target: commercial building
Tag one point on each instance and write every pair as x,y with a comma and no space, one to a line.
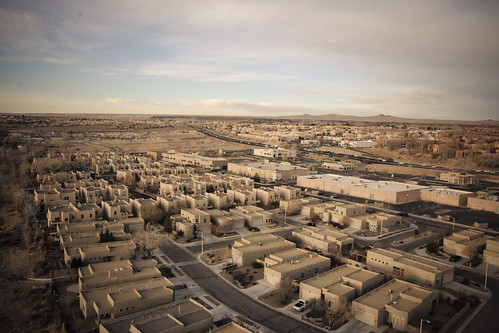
274,152
465,243
325,240
249,249
408,266
446,196
397,302
269,171
339,285
183,316
489,203
195,160
294,264
491,252
385,191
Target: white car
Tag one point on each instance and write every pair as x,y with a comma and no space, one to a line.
300,305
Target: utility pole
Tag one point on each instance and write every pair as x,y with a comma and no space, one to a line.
202,244
486,272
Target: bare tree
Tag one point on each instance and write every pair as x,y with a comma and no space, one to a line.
470,252
286,291
148,240
345,221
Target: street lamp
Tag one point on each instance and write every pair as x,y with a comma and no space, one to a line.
453,221
421,324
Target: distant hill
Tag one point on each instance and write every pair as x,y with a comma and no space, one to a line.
382,118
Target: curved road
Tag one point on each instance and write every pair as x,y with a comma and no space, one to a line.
227,294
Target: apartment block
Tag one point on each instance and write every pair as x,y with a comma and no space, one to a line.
294,264
196,201
172,205
242,197
253,216
183,316
220,200
292,206
287,192
325,240
105,274
465,243
458,178
397,302
225,221
269,171
195,160
250,249
266,196
100,252
104,304
340,284
411,267
118,210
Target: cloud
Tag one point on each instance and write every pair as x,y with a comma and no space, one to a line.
121,101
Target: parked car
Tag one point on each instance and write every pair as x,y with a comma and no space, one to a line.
403,214
454,258
300,305
311,224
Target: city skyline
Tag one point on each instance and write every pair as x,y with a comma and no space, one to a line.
417,60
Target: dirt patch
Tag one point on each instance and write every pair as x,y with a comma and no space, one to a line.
244,277
216,257
274,300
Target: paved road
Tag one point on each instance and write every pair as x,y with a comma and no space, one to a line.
486,320
227,294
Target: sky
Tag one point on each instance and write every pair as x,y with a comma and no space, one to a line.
417,59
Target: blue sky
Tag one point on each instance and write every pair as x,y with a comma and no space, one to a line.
419,59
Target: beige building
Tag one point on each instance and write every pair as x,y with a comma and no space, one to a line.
338,285
242,197
197,201
489,203
195,160
293,264
274,152
172,205
183,316
200,219
385,191
292,206
232,327
220,200
266,196
465,243
287,192
458,178
411,267
446,196
325,240
269,171
116,210
397,302
249,249
105,274
342,166
491,252
225,221
100,252
253,216
104,304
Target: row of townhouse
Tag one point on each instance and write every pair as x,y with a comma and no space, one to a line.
193,220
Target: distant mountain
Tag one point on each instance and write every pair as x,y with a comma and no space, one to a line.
382,118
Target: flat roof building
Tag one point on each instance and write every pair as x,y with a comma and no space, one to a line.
397,302
184,316
269,171
248,249
411,267
325,240
293,264
103,304
465,243
491,252
385,191
341,284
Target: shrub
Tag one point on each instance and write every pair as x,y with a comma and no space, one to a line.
256,264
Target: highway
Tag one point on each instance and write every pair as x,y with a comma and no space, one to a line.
219,288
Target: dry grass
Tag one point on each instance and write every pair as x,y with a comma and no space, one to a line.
216,257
